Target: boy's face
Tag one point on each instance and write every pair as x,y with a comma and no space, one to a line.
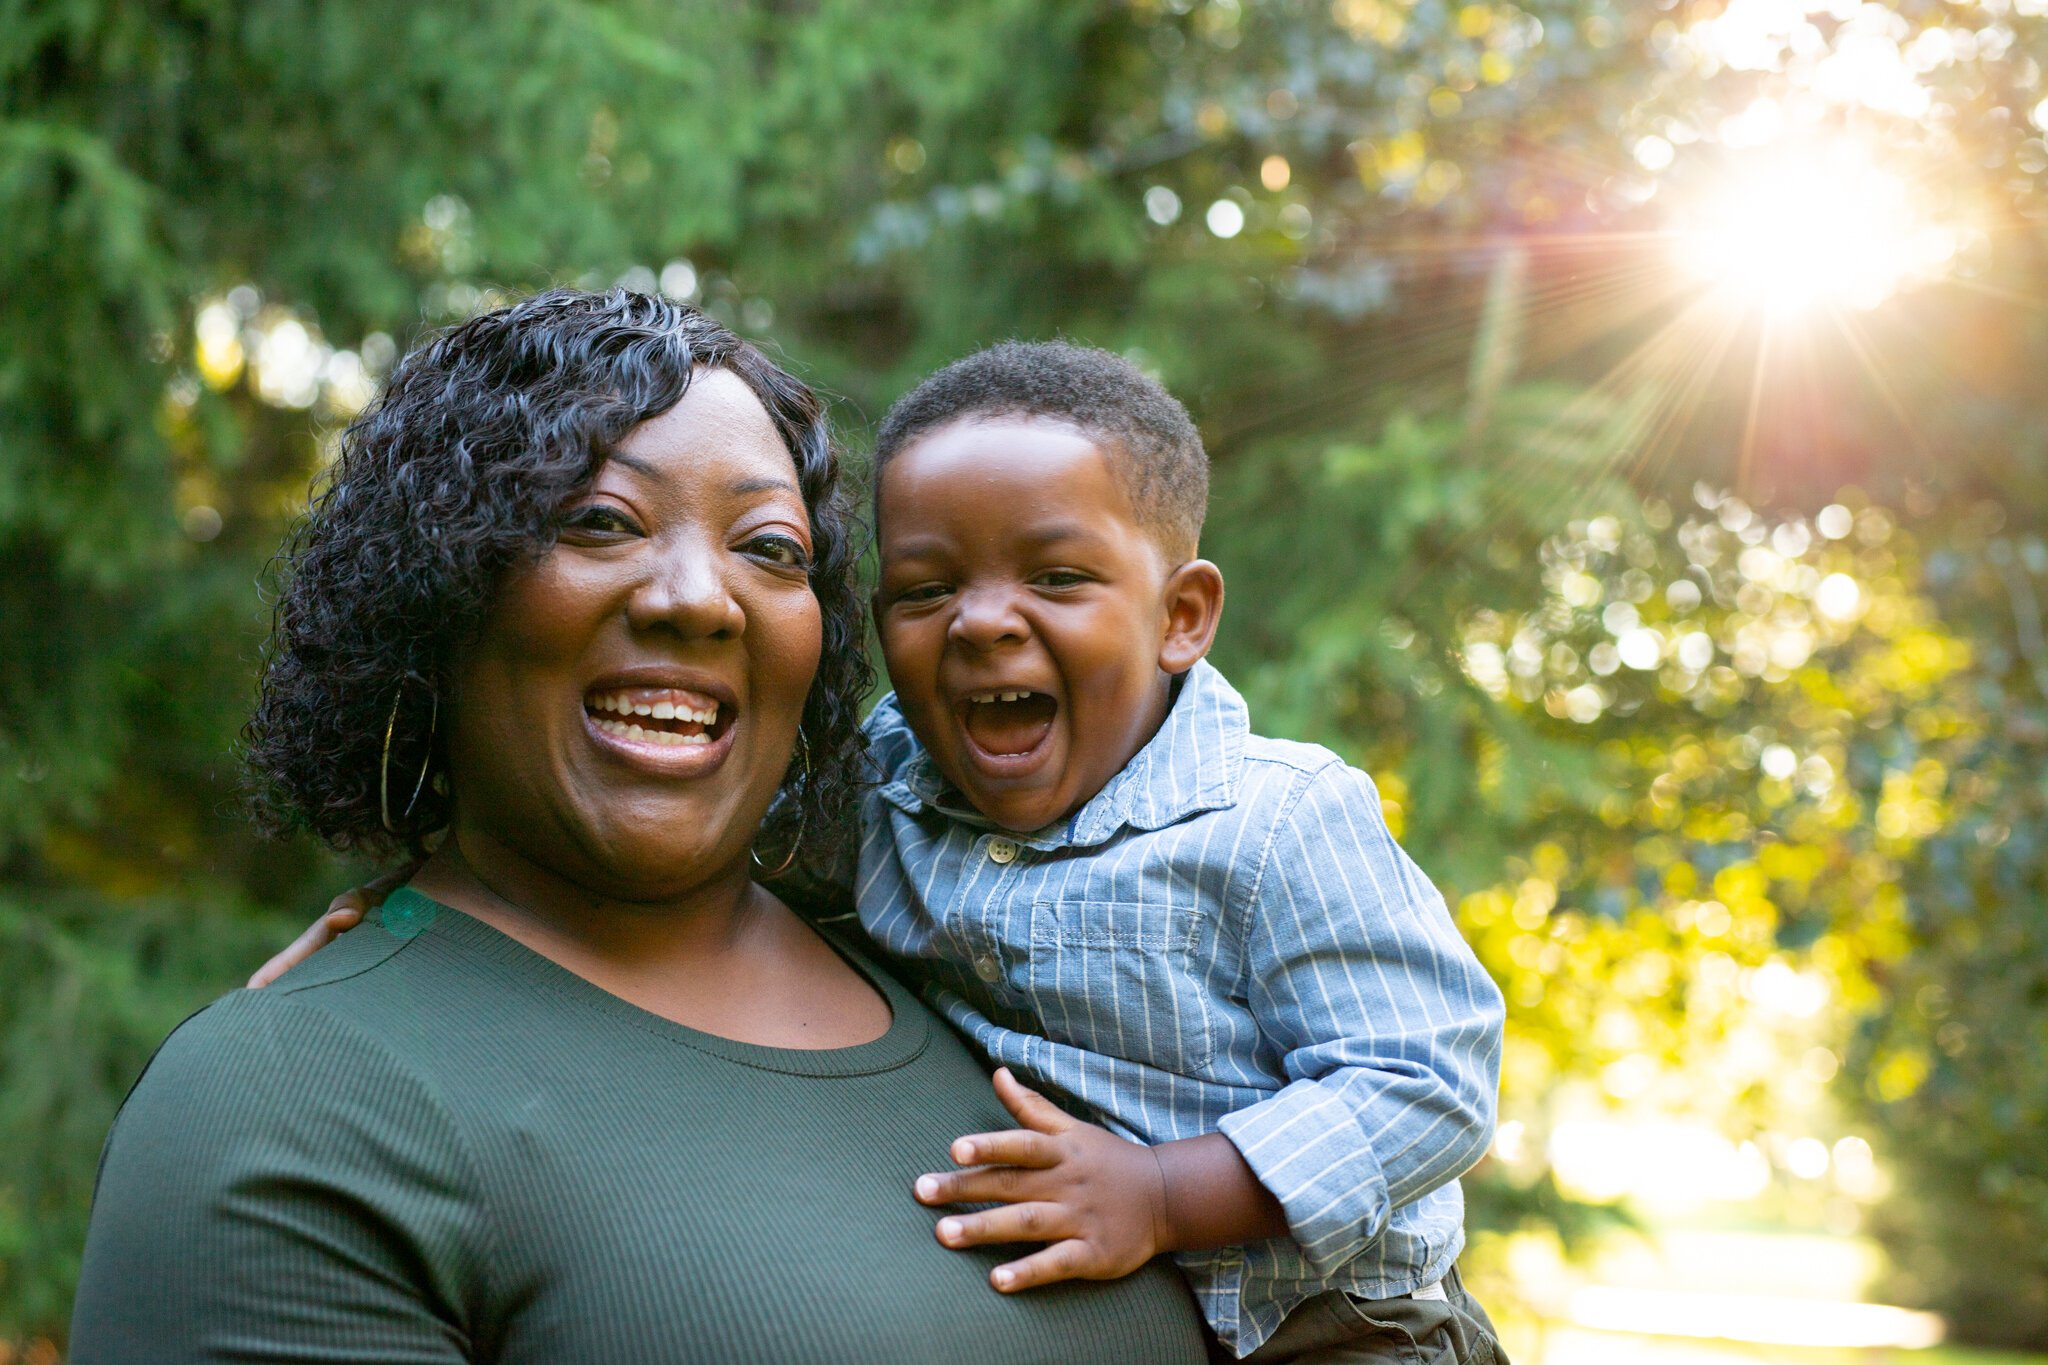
1029,622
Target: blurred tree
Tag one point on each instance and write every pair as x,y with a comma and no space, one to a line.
225,219
221,217
1954,1068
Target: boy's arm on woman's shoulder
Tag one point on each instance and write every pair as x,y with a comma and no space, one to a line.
1389,1026
343,913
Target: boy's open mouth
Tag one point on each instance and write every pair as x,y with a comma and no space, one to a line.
1007,723
672,717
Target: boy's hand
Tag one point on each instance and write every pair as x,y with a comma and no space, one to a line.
344,913
1097,1198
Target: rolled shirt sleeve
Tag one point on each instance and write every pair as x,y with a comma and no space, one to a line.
1387,1027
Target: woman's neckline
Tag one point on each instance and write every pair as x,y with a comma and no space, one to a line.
408,913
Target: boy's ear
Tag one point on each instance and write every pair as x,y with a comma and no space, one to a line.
1194,608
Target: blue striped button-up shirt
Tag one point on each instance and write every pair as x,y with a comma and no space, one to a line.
1226,938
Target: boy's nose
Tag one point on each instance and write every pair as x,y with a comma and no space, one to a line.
685,591
987,618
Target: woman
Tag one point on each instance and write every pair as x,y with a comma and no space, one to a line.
580,586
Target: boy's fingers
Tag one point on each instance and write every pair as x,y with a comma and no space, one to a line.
978,1185
338,920
379,889
1011,1223
1061,1261
361,900
318,935
1028,1107
271,970
354,901
1013,1147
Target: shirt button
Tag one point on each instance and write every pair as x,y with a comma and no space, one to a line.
1001,851
987,968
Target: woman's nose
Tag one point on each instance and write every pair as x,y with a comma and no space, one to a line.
686,590
987,617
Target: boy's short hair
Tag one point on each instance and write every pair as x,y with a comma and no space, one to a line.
1149,437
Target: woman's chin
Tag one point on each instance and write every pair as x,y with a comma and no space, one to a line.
659,867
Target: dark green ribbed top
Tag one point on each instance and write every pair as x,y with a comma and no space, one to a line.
431,1144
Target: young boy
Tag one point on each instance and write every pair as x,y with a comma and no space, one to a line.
1205,938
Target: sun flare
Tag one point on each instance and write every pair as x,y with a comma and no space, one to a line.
1790,232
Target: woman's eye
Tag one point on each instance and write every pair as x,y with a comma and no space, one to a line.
599,519
785,550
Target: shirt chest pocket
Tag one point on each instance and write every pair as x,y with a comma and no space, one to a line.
1124,979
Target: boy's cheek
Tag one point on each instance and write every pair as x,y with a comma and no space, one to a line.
906,676
896,660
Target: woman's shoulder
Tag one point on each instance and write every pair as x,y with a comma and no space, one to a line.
338,1033
264,1082
274,1154
267,1058
321,1007
365,1027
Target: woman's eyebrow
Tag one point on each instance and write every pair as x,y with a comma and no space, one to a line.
765,485
634,463
755,485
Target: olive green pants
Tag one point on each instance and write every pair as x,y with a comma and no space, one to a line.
1337,1329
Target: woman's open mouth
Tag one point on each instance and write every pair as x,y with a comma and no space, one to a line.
665,724
1006,726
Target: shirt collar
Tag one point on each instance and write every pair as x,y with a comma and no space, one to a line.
1194,763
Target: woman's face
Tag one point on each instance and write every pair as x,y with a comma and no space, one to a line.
632,703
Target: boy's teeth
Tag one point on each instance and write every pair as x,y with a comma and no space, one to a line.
1017,726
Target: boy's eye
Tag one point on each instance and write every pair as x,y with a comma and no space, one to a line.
787,551
600,519
923,592
1060,578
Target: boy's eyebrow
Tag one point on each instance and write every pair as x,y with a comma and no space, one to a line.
1038,537
914,547
1058,531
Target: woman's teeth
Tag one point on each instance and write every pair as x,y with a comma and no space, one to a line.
666,716
662,707
650,736
985,698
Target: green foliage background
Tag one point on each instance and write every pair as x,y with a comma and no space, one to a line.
1453,428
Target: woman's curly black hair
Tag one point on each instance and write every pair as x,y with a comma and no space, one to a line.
458,473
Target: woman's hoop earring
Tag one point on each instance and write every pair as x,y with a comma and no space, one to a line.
384,764
803,758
